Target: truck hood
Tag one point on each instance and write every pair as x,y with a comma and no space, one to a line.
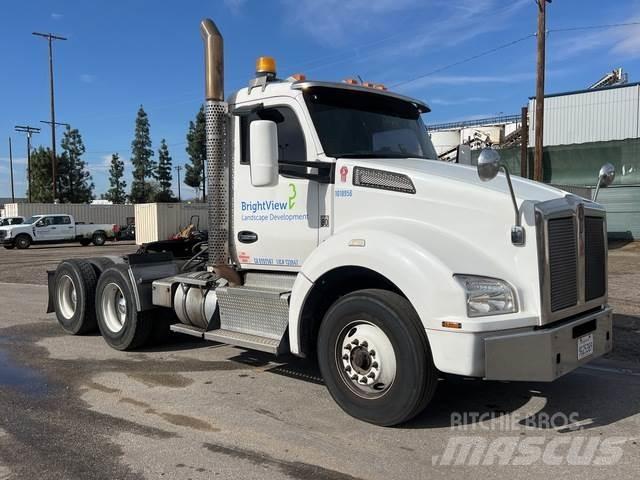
421,170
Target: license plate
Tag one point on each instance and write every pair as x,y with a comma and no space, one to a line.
585,346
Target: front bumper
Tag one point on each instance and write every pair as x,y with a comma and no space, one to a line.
545,354
7,241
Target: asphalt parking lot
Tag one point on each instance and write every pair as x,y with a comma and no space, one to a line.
72,408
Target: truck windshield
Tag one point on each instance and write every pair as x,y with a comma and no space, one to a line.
352,124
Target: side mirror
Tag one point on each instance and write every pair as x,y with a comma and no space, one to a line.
606,176
463,155
488,164
263,147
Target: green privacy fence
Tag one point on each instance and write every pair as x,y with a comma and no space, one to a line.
578,165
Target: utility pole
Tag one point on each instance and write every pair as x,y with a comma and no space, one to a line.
58,124
542,32
13,194
29,131
524,143
50,37
178,168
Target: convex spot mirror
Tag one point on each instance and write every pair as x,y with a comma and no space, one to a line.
488,164
607,175
263,148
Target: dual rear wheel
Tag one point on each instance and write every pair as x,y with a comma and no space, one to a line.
85,302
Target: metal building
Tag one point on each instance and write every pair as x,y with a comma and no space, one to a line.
586,116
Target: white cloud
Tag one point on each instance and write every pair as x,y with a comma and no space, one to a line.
87,78
460,21
466,80
331,21
459,101
57,16
16,160
235,5
628,41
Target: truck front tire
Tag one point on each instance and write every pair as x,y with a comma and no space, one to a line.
23,241
375,359
74,294
121,325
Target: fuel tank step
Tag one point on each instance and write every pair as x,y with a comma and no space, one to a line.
187,329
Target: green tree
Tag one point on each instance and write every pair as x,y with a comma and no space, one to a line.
116,192
163,174
143,165
41,187
196,149
74,182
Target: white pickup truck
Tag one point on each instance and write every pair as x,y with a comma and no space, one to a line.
54,228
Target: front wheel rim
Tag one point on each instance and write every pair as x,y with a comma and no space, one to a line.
365,359
114,307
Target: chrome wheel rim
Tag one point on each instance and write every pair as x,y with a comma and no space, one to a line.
365,359
67,297
114,307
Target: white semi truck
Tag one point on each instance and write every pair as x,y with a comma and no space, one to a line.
334,233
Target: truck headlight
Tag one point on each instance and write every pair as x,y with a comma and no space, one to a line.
487,296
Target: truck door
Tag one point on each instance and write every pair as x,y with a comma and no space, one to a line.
64,228
43,230
275,227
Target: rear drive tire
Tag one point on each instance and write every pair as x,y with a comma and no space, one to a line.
23,241
99,239
74,292
375,359
121,325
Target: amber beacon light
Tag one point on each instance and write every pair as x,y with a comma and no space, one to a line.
266,65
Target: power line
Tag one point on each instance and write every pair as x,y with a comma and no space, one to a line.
593,27
465,60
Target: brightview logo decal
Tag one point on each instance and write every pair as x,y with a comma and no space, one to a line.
269,210
292,195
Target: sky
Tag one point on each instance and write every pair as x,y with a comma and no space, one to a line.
123,54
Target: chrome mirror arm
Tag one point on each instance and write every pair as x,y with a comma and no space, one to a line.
517,231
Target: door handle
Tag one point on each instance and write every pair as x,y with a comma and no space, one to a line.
246,236
53,228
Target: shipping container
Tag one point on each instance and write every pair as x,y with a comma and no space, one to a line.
586,116
82,212
160,221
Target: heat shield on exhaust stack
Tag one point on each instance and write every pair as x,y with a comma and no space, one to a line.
217,163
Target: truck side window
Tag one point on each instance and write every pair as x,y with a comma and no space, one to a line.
61,220
291,142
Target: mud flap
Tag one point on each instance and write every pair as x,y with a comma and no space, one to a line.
50,281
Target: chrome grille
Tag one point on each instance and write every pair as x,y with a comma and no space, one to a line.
572,257
595,262
563,263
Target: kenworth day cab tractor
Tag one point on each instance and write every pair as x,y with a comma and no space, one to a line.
334,232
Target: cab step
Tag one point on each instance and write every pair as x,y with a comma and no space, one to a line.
245,340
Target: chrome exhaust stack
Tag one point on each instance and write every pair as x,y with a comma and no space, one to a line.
216,112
